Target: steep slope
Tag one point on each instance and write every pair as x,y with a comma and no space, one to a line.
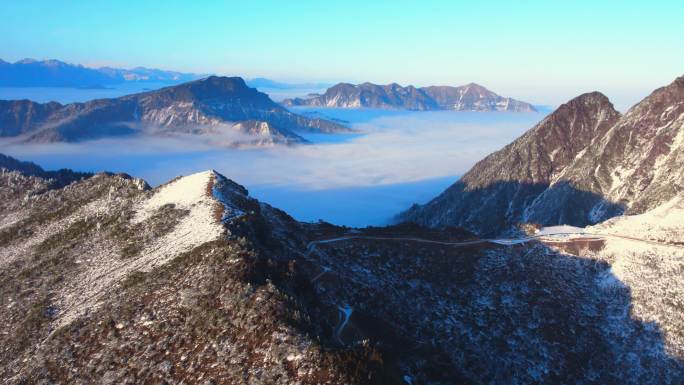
498,191
107,281
218,105
471,97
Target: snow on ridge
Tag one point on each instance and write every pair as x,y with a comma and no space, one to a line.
199,226
184,193
663,223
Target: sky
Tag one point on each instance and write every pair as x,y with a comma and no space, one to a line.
541,51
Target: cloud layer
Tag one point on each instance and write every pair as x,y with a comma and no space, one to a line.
397,148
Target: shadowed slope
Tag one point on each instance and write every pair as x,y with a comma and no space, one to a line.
500,190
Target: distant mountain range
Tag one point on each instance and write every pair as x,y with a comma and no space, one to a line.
55,73
470,97
217,105
582,164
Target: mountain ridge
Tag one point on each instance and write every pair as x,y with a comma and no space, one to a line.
209,105
469,97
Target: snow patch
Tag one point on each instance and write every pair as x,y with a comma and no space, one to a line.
199,226
560,230
664,223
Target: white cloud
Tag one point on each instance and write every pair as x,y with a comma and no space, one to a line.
397,147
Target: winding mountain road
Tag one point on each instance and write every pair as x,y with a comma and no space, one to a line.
549,237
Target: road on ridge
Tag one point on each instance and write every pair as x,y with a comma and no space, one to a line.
499,241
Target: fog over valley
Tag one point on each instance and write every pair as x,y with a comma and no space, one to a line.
397,158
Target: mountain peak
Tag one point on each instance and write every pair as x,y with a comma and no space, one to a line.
475,85
590,104
232,83
212,88
590,98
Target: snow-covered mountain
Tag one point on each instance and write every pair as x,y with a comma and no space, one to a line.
105,280
217,105
470,97
582,164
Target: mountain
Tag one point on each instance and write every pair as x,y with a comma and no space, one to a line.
470,97
106,280
582,164
218,105
55,73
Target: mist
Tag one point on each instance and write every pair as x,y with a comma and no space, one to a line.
397,158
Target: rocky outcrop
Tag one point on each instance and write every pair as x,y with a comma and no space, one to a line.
211,105
471,97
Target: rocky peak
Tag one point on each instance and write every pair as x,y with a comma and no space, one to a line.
550,146
573,125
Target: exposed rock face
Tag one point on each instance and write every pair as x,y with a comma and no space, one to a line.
582,164
214,104
108,281
471,97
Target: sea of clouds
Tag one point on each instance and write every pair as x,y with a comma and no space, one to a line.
397,158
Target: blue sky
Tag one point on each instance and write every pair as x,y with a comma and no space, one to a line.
548,50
